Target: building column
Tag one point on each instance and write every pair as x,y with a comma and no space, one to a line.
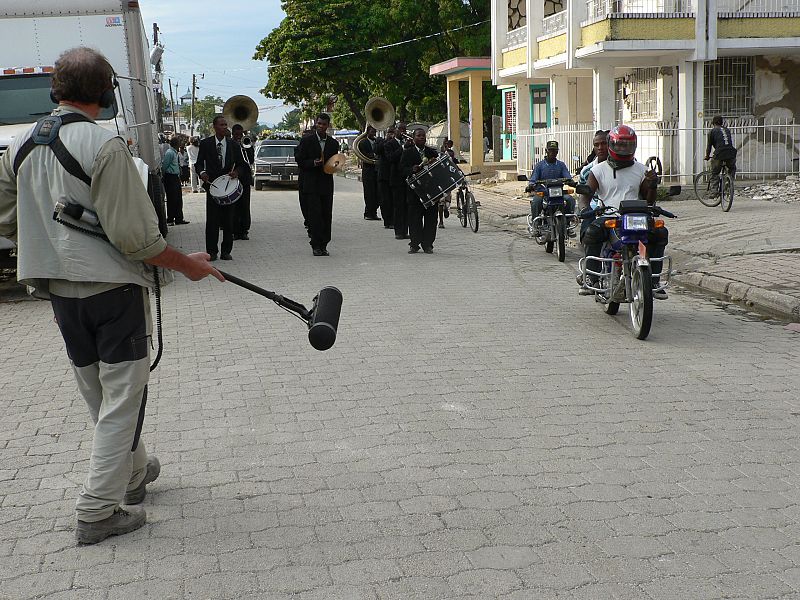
524,151
560,113
453,120
690,119
475,121
603,108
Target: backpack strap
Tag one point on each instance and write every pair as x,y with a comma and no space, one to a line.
46,134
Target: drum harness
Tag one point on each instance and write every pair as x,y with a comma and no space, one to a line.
46,134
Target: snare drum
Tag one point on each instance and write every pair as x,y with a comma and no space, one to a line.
435,180
225,190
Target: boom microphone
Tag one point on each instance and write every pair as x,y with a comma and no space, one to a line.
325,318
322,319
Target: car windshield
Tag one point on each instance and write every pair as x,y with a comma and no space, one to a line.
25,98
275,151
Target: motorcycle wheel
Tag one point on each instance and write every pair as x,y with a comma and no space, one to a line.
561,231
641,306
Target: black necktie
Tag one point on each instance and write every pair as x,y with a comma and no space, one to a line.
219,154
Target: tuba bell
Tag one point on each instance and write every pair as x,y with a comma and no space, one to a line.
242,110
379,114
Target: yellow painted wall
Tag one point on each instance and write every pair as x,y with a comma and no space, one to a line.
517,56
553,46
596,32
760,27
652,29
637,29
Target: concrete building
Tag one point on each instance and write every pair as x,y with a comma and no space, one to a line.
665,67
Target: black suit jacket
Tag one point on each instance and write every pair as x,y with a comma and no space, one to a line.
411,158
314,180
208,161
366,148
393,150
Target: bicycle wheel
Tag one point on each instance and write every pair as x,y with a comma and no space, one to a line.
726,197
472,213
703,189
462,209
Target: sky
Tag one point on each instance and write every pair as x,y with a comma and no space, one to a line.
218,40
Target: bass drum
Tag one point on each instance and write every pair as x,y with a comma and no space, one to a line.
435,179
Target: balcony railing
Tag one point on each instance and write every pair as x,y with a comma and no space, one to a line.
600,9
517,37
758,8
554,24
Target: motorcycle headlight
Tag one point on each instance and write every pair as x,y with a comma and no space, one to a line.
555,192
635,222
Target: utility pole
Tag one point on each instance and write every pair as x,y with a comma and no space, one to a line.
191,108
159,93
172,104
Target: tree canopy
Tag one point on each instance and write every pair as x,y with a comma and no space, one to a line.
204,112
314,30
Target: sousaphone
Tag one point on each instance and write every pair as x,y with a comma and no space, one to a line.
379,114
240,110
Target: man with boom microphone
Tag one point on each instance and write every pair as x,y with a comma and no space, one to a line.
91,258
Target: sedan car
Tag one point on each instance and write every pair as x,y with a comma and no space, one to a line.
275,162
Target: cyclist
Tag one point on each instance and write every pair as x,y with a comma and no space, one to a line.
620,178
721,140
548,168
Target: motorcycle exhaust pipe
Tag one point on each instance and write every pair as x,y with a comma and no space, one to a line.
322,319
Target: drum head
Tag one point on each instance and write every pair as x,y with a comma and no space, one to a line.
225,190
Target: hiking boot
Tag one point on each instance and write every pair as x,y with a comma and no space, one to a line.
122,521
137,494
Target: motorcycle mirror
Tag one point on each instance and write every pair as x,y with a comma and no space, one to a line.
584,190
674,190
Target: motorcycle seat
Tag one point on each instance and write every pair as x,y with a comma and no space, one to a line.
630,206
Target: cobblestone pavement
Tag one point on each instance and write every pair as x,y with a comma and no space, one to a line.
478,431
750,255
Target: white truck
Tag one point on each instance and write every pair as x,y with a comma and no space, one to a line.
35,32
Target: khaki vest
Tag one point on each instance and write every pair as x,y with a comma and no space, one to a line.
48,249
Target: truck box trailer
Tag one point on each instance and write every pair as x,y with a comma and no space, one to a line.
36,32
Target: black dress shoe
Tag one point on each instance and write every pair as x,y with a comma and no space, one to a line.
372,218
181,222
413,250
428,250
325,252
244,236
317,252
226,257
170,222
213,256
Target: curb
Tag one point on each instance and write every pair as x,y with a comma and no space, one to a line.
760,299
751,296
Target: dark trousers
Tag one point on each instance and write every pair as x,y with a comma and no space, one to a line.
387,203
421,223
319,208
218,216
400,210
172,187
369,180
304,208
241,212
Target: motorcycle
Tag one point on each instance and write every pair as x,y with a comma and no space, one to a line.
625,274
554,224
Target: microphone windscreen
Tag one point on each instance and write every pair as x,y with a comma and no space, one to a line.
325,318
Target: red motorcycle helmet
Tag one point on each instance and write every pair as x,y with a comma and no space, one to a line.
622,142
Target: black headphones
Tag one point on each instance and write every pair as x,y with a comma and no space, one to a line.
106,99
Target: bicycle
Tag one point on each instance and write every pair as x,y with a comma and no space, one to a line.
703,187
467,206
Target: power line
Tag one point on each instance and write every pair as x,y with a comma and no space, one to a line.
395,44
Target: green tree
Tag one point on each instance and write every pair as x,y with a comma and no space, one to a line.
204,112
399,73
290,121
